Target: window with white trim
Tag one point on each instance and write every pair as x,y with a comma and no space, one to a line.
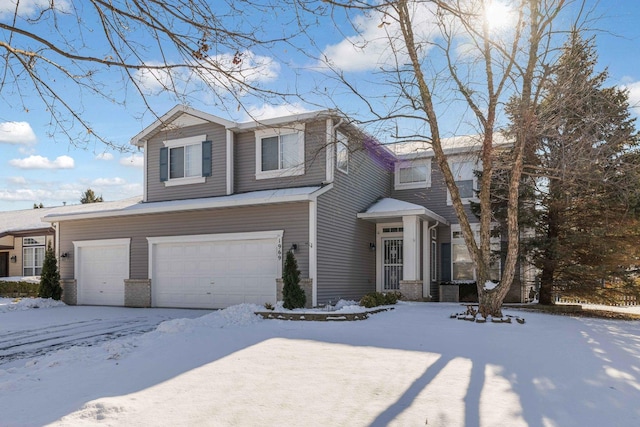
462,264
280,152
413,174
33,249
465,178
342,152
185,161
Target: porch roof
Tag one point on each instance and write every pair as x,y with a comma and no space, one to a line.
388,209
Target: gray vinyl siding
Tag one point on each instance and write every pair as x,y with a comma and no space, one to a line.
293,218
215,185
433,198
346,264
315,160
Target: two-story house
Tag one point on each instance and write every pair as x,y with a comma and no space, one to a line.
223,202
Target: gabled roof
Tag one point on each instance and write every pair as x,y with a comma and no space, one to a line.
182,115
388,208
178,116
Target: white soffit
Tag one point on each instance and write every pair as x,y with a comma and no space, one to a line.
184,120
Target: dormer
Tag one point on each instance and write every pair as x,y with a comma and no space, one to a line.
186,156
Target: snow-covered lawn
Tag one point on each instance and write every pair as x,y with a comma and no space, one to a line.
411,366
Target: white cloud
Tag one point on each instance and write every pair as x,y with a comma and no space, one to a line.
227,71
379,42
108,181
634,96
17,180
104,156
269,111
47,196
134,160
155,80
30,7
17,133
39,162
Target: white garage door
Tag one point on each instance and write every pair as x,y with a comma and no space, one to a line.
218,273
101,268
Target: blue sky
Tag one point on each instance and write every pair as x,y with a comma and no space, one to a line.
40,165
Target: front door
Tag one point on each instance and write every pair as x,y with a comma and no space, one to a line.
4,264
391,263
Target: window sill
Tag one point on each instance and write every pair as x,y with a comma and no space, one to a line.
465,201
412,185
185,181
279,173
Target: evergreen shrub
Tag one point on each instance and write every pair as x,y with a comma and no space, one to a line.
292,293
50,277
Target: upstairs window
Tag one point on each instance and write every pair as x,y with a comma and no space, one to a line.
32,255
463,268
414,174
185,161
342,152
463,173
280,152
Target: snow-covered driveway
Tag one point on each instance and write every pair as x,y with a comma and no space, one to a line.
34,333
412,366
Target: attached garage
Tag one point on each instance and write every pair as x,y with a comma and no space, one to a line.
101,267
214,270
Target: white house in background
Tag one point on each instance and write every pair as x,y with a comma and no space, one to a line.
24,237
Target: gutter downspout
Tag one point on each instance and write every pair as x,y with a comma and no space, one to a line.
427,280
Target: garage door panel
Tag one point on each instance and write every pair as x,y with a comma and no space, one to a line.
214,274
102,271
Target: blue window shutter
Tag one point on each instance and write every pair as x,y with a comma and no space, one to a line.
206,158
164,164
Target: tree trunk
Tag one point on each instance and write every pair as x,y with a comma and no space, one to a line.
490,304
545,295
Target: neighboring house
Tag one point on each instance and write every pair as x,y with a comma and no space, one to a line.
223,202
23,240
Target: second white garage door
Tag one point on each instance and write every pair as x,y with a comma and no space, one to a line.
214,271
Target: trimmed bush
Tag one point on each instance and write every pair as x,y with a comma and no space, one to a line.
390,298
292,294
50,278
375,299
18,289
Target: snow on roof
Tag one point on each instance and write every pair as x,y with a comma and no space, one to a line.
134,207
392,205
455,144
32,219
389,207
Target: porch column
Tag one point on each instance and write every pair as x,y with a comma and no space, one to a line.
411,248
426,259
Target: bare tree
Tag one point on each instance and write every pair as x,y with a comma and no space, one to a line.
61,54
461,64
